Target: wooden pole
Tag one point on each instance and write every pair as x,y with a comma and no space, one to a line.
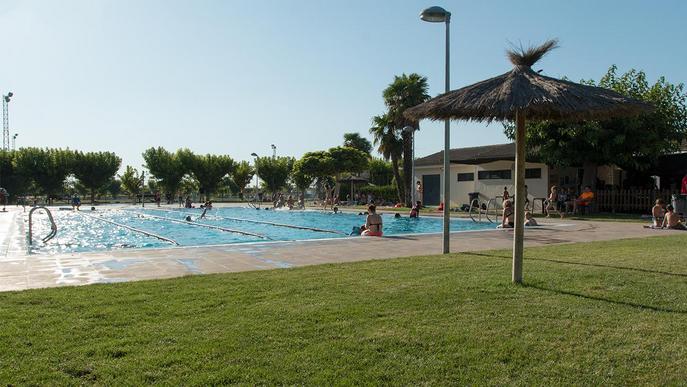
519,234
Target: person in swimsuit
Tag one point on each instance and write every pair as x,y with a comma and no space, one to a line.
657,213
671,220
373,222
505,194
508,215
415,211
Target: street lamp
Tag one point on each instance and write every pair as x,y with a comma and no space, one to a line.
274,151
257,179
14,141
5,121
440,15
411,130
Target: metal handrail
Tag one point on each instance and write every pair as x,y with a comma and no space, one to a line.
53,226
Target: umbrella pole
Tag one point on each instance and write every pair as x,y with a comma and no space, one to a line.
519,234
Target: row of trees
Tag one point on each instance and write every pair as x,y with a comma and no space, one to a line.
44,171
631,143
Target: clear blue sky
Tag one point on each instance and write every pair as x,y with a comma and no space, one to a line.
233,77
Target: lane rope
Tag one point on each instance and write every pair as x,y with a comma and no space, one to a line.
225,229
261,222
160,237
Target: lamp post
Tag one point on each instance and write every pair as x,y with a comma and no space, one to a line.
411,130
274,151
440,15
6,121
14,141
257,179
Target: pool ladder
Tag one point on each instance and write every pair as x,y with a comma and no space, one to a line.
53,226
484,208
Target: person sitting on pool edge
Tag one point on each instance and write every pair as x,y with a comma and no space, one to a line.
373,222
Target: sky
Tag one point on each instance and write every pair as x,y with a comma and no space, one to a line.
232,77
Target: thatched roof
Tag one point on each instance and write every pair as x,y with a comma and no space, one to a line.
539,97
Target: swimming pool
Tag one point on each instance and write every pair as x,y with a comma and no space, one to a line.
86,231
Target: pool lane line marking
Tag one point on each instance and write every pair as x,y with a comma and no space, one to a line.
160,237
203,225
262,222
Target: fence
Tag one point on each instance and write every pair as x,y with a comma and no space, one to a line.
631,200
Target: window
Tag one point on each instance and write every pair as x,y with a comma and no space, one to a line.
466,176
533,173
503,174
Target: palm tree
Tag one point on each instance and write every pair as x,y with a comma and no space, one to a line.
405,92
389,145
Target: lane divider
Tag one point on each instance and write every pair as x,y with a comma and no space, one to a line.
261,222
160,237
225,229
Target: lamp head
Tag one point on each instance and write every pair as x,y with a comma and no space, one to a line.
254,154
409,129
435,15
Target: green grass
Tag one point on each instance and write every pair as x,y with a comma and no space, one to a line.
589,314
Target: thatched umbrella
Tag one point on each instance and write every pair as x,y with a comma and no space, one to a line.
525,94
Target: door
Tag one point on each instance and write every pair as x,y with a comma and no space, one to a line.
431,187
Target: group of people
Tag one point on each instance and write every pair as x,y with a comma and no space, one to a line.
508,220
664,216
373,222
565,201
279,200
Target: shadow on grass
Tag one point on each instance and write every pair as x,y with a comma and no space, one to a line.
585,264
608,300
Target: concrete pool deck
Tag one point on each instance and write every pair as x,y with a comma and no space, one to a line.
19,271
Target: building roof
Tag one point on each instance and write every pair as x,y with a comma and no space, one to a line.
471,155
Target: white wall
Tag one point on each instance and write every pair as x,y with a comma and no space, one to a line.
487,188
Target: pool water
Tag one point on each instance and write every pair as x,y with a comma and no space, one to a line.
88,231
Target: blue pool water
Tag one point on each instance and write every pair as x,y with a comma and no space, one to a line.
88,231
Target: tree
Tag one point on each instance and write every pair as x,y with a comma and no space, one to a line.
633,143
301,180
242,175
131,181
207,169
403,93
46,168
381,172
274,171
355,140
348,160
316,165
10,179
166,167
95,169
389,145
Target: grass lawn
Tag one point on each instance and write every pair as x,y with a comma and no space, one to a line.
589,314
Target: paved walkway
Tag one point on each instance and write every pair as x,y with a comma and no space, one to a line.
19,271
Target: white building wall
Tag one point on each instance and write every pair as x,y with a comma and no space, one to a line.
487,188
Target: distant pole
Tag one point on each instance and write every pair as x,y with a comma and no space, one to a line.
274,151
14,141
143,189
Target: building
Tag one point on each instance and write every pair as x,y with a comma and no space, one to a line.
483,170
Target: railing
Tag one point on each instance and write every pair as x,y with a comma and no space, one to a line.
631,200
53,226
